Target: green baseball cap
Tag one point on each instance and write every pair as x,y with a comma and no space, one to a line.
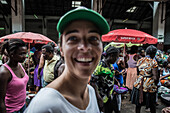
83,13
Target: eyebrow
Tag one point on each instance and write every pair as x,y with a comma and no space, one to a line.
73,31
94,31
76,31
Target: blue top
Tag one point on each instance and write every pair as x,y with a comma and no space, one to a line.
165,73
118,77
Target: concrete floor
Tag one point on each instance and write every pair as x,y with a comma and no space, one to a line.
127,107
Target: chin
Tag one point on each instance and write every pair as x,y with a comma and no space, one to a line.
85,74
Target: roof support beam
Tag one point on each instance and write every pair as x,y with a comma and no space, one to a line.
14,9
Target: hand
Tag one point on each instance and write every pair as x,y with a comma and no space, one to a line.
117,72
118,84
123,71
114,93
32,72
120,62
38,76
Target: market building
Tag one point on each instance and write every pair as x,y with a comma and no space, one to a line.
41,16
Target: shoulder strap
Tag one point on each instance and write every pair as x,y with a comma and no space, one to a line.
57,65
22,68
10,70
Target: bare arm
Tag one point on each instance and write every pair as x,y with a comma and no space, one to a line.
161,71
164,76
117,72
42,61
126,58
41,65
4,78
118,83
121,63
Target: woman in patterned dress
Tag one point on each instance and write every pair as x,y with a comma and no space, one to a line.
145,87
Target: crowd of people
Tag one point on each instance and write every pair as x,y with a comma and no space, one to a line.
77,76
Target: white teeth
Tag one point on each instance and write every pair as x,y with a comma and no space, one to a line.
84,59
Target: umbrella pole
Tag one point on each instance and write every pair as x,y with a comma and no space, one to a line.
29,86
29,59
124,52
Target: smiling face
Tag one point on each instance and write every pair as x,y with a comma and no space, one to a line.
20,54
81,48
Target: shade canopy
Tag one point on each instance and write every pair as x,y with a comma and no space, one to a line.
120,45
129,35
28,37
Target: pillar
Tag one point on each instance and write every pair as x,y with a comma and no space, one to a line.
17,16
159,10
7,31
97,6
44,24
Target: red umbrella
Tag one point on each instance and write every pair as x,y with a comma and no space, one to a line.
28,37
129,35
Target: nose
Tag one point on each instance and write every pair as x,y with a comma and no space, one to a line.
84,46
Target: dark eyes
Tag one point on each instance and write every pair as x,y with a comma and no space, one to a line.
93,38
73,38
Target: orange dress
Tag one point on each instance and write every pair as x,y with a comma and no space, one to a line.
131,72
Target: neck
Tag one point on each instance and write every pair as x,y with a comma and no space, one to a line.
148,56
12,63
107,62
73,85
51,57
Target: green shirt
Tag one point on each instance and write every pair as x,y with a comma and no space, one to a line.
103,77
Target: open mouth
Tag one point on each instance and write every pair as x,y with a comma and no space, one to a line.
84,60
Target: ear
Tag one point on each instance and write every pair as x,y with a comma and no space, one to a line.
60,46
61,52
